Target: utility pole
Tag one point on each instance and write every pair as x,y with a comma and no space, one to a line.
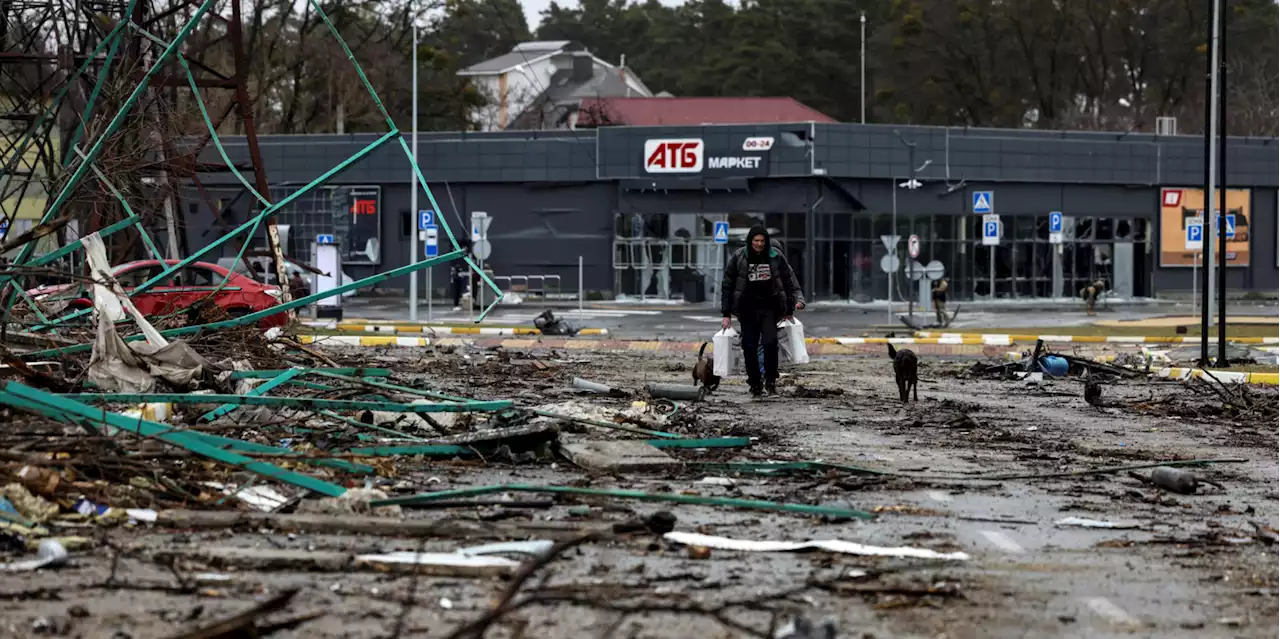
413,183
1211,222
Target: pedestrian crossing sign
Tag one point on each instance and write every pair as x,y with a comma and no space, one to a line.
721,233
983,202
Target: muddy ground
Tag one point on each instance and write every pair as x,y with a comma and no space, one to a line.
1194,565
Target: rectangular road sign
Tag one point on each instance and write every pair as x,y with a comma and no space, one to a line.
325,239
1055,227
432,242
1195,234
991,230
426,219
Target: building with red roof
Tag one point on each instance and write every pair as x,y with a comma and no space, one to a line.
673,111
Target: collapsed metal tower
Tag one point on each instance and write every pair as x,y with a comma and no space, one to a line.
99,74
69,66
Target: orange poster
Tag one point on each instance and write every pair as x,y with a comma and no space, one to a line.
1179,206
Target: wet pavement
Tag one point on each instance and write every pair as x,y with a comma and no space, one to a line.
1190,565
631,320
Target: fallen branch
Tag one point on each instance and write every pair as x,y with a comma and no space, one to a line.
241,625
478,627
207,520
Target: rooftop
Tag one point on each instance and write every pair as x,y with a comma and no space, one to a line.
671,111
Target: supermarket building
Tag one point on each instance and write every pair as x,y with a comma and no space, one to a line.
640,205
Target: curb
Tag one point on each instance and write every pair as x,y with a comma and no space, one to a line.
360,340
423,329
1270,379
1007,339
607,345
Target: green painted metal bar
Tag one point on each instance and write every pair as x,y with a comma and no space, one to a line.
87,114
260,389
207,438
373,93
250,447
213,134
31,303
123,113
102,177
268,374
359,424
37,408
714,442
236,231
351,57
387,386
270,210
750,504
55,403
76,245
259,315
55,104
286,402
25,252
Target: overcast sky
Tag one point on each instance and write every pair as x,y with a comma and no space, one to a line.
533,8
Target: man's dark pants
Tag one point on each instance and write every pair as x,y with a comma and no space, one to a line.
759,329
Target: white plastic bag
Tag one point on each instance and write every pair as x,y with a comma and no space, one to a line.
722,356
791,346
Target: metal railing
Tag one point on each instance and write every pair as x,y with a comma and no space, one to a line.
530,285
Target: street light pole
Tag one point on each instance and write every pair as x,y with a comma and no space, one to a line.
1210,201
413,185
862,84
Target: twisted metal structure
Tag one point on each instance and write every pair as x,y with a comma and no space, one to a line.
91,81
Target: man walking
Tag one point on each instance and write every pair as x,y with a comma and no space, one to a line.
760,288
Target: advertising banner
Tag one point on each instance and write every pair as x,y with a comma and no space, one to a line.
1180,205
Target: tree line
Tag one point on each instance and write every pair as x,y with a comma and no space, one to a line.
1056,64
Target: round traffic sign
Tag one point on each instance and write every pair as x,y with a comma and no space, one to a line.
913,246
890,263
935,270
482,249
915,270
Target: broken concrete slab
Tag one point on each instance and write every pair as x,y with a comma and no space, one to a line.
614,455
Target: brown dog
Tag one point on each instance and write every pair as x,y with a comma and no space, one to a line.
704,371
904,372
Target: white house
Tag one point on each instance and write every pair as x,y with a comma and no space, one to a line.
539,85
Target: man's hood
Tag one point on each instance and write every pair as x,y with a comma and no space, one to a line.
759,230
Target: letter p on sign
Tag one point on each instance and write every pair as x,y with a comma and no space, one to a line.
673,156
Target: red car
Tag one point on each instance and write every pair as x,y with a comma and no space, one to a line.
180,290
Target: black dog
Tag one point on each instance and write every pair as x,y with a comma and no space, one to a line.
704,371
904,372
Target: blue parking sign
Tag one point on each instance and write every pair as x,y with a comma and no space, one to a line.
426,219
1055,222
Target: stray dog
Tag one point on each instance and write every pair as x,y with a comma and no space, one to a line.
904,372
704,371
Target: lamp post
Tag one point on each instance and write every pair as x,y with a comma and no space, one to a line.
413,185
862,84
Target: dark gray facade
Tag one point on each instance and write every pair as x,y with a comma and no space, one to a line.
825,188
